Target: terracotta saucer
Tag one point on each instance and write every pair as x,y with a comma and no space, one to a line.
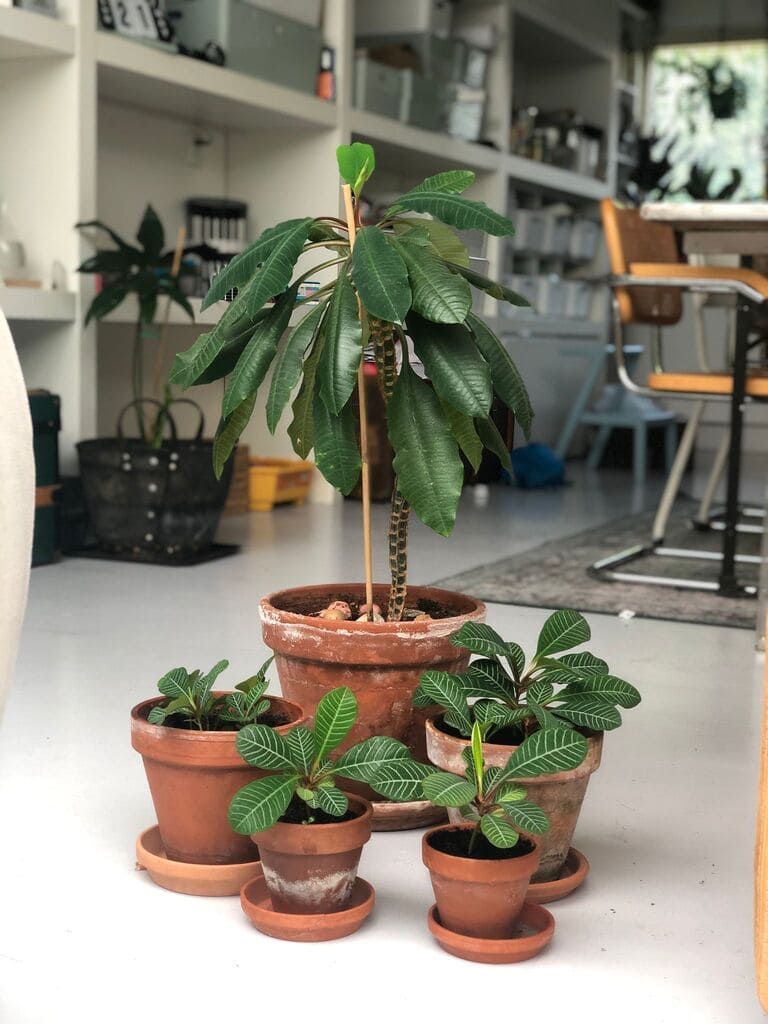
256,903
191,879
534,930
574,871
390,816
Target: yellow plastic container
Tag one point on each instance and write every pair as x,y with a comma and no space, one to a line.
274,481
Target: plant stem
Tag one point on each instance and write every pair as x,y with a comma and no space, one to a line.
473,838
365,482
157,428
138,374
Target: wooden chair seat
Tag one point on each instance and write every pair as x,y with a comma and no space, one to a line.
708,383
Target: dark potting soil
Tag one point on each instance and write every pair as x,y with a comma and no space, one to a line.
299,814
455,842
272,719
510,736
314,606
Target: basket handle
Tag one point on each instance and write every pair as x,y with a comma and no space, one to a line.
189,401
146,401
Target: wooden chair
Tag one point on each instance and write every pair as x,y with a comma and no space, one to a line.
648,280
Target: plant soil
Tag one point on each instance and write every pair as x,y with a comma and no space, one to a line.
434,609
511,736
299,814
455,842
268,718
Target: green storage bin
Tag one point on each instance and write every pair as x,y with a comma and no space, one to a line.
45,409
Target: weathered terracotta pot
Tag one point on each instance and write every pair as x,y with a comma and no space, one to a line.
192,777
311,869
560,795
475,896
381,663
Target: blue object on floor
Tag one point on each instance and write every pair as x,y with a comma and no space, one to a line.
536,465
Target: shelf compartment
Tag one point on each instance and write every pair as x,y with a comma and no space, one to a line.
554,179
25,34
152,79
37,304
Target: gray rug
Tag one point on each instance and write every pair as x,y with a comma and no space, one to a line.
554,575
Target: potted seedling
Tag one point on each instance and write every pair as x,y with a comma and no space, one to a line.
512,699
481,869
150,497
405,277
187,739
309,831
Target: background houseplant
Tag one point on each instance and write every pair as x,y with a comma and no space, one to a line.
406,275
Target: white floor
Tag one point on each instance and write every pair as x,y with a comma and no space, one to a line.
660,933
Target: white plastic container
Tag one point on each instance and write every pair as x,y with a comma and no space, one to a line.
372,17
556,236
529,229
577,299
585,234
552,293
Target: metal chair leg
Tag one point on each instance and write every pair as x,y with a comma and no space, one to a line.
701,519
598,447
676,476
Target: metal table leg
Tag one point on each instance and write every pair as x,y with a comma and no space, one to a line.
729,584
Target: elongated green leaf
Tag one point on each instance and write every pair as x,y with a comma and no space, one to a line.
460,375
509,793
608,688
589,710
283,239
476,746
465,214
507,381
108,261
150,235
175,683
485,284
493,441
447,691
479,638
258,354
544,753
498,832
445,242
585,663
544,717
204,684
400,779
450,183
437,294
515,658
287,370
539,691
446,790
499,716
105,301
429,469
364,760
331,800
486,678
336,450
301,747
264,747
357,163
159,713
342,350
334,717
528,816
561,631
260,804
302,428
275,274
380,276
229,431
117,239
463,430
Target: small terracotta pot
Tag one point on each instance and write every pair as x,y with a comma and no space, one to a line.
193,776
478,897
559,795
381,663
311,869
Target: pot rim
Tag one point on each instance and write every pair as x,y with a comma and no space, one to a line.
478,869
287,837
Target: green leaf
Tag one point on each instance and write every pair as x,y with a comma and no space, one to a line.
336,450
507,381
446,790
260,804
561,631
445,242
380,276
463,430
493,441
117,239
150,235
215,353
175,684
545,718
264,747
585,664
258,354
357,163
108,261
287,370
343,348
437,294
539,691
516,657
485,284
480,638
609,688
446,183
331,800
302,428
302,747
498,832
460,375
509,793
400,780
105,301
465,214
365,759
229,432
486,678
282,239
447,691
429,469
476,746
528,816
589,711
498,716
334,717
544,753
204,684
157,715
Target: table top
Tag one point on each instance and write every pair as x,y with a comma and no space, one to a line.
714,216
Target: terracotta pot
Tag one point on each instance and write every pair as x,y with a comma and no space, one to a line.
560,795
192,777
381,663
474,896
311,869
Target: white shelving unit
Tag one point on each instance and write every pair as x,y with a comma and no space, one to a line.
101,125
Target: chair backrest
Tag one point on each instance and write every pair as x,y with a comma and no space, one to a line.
630,239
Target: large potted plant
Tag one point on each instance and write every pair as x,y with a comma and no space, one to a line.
406,277
509,698
149,497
